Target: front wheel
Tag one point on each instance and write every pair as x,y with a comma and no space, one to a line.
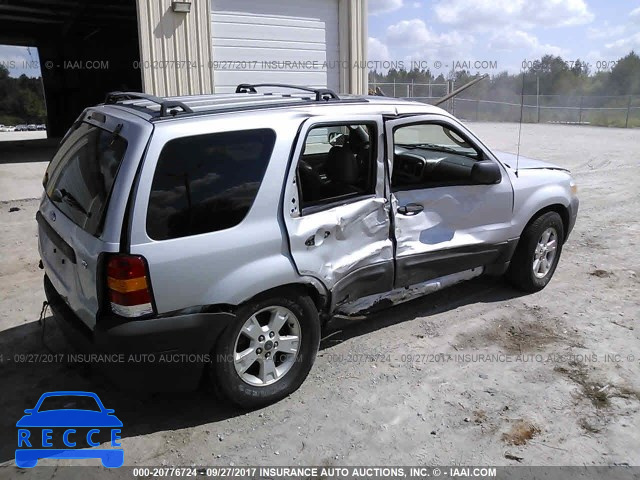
538,252
268,352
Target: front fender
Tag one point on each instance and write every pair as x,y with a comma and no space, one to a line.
535,190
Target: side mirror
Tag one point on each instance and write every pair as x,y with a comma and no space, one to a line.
29,411
485,172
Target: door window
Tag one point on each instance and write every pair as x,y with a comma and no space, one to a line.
431,155
337,164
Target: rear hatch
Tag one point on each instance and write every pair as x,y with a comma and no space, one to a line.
87,185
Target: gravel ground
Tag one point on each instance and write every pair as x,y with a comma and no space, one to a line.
471,375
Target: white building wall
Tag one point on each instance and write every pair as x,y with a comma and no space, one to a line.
176,49
272,41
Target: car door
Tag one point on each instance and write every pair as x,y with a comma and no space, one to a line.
446,218
335,210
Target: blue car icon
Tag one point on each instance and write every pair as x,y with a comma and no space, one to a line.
67,411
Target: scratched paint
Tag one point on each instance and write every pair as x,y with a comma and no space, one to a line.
332,243
402,295
452,217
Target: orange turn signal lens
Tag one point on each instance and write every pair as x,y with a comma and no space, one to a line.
126,286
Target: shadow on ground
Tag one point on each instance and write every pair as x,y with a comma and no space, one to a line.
25,378
34,150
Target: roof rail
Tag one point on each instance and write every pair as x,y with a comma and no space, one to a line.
167,106
322,94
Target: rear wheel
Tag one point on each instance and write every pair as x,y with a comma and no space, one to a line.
268,352
536,257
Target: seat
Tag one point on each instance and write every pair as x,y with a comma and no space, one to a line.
311,183
343,171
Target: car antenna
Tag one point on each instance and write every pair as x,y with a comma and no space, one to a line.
520,126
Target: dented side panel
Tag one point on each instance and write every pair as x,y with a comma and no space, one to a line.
333,243
458,227
342,240
454,217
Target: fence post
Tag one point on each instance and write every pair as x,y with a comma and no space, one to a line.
394,88
538,97
580,111
453,100
626,123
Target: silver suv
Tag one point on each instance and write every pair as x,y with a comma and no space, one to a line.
211,236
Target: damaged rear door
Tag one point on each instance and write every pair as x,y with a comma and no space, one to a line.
452,201
335,210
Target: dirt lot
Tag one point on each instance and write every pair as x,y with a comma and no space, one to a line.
527,376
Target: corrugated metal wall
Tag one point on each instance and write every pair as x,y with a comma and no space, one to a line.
175,48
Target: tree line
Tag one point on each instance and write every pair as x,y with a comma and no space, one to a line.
21,99
550,75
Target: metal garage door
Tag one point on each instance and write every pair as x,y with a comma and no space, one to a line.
254,40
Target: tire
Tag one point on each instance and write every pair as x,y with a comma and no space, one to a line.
521,269
261,384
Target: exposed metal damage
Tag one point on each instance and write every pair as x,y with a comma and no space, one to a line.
352,236
402,295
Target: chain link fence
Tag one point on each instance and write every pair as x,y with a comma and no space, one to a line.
610,111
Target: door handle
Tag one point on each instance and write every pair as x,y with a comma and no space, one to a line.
410,209
311,241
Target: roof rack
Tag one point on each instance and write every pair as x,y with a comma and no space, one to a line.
167,106
322,94
161,108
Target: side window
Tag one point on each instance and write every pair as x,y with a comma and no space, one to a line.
207,183
337,163
431,155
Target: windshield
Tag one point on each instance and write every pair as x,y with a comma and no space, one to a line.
69,402
80,176
433,136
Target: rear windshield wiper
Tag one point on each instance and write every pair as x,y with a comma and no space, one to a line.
64,196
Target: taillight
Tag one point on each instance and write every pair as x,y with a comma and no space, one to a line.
128,287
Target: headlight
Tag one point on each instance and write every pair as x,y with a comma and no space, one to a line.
574,187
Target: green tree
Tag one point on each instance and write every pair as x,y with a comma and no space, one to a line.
625,76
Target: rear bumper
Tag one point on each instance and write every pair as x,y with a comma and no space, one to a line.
161,354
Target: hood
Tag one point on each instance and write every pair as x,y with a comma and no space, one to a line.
525,163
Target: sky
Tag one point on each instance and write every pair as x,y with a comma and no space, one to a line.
19,60
478,35
506,32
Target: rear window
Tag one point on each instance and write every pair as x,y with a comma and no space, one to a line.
80,177
207,183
